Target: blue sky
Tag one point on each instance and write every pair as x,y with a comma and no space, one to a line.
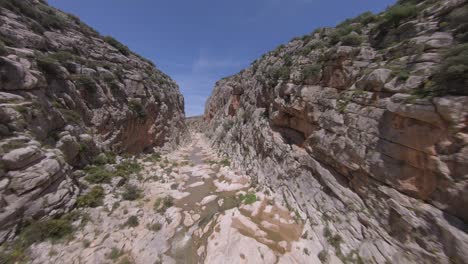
197,42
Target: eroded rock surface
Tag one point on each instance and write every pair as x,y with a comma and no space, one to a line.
67,94
359,132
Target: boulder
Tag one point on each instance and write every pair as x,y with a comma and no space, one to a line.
14,76
375,81
40,175
22,157
69,146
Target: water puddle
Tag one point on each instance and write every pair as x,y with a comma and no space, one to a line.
204,203
185,243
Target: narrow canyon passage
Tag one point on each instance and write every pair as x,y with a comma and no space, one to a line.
193,208
348,144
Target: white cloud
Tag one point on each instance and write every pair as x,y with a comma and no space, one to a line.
204,62
196,88
197,81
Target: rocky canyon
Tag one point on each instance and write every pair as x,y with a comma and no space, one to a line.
346,145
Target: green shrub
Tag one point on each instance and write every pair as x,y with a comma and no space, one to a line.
155,157
98,174
351,39
282,73
21,109
126,168
131,192
114,254
94,198
85,29
366,18
3,49
132,221
53,229
317,44
168,201
114,85
8,4
44,15
11,145
138,108
83,148
48,64
336,36
326,231
105,158
311,70
157,204
62,56
86,82
8,41
399,13
51,20
86,243
335,241
278,50
116,44
305,51
155,227
288,61
403,75
109,79
37,28
323,256
225,162
306,38
249,198
451,78
71,115
458,16
50,229
341,105
228,125
254,65
162,204
126,260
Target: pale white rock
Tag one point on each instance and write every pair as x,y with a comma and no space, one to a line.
208,199
196,184
227,187
188,221
229,246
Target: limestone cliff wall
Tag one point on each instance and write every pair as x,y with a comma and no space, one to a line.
66,94
363,129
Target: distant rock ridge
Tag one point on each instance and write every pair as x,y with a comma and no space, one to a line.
364,129
67,94
195,123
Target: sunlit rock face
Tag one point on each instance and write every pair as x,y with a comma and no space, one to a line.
364,131
67,94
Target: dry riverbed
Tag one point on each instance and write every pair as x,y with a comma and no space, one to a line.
189,207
